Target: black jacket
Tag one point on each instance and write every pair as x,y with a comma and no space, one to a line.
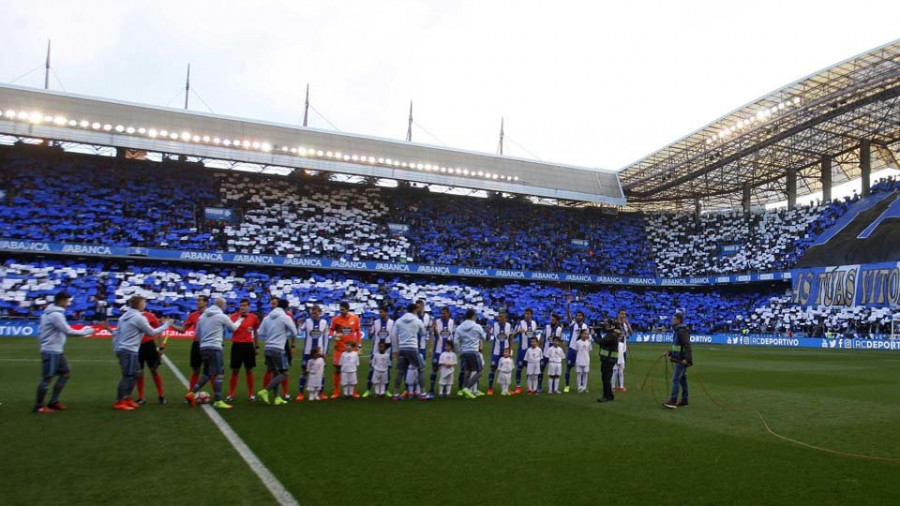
681,345
608,343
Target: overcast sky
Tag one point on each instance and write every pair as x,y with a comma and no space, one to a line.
584,83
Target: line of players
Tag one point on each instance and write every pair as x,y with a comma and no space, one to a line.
138,343
343,332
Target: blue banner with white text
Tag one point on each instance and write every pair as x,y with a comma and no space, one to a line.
29,329
775,341
872,285
95,250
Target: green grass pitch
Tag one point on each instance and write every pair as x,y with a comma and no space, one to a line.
564,449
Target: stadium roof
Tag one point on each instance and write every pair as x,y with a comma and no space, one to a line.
828,113
32,113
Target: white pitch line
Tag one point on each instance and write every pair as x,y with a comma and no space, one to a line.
269,480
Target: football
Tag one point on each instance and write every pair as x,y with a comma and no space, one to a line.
203,398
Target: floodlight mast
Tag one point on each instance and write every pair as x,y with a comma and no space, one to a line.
306,106
47,68
187,87
409,125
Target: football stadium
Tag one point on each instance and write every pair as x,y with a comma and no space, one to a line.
200,308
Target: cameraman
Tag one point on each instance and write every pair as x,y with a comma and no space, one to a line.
609,355
683,357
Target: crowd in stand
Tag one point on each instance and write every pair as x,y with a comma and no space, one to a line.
103,201
512,234
886,184
781,316
139,203
728,242
836,210
102,288
312,219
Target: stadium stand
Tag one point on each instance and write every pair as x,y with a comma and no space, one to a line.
101,289
856,207
826,219
885,184
512,234
48,198
779,316
139,203
866,232
86,200
728,242
311,219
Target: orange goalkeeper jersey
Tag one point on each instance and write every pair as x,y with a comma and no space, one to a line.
344,330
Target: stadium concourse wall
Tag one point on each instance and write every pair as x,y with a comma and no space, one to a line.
29,329
207,257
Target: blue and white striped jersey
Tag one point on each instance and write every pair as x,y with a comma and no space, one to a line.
443,332
315,333
576,331
500,337
528,331
549,333
381,333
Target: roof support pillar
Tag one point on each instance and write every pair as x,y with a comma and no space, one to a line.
826,178
792,187
697,207
865,165
745,199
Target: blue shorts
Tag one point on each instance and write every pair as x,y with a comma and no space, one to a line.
570,358
276,361
53,364
495,361
129,363
213,362
520,359
424,354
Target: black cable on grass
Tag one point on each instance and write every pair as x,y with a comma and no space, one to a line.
762,419
771,432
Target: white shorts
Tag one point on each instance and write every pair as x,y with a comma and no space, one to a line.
447,377
348,378
583,369
534,368
314,382
505,378
380,378
554,369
